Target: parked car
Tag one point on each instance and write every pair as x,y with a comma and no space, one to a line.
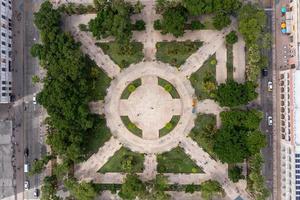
34,99
270,86
270,120
264,72
36,193
26,152
26,185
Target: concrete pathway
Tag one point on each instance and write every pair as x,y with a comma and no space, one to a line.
209,106
221,68
86,170
150,166
97,107
239,61
195,61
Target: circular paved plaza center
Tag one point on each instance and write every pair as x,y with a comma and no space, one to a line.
150,107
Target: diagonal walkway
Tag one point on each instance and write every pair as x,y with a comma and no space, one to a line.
195,61
86,170
217,170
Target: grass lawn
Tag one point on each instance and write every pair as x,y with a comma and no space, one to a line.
131,126
176,53
176,161
101,83
203,132
229,63
120,159
169,126
169,88
131,88
205,74
98,136
123,56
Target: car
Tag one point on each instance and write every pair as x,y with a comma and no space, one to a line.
26,152
270,120
270,86
36,193
34,99
264,72
26,185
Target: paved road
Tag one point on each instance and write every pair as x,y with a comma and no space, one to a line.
25,114
267,108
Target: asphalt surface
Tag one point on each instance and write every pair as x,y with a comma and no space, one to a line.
267,108
25,115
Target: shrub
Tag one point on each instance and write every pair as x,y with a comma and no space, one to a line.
131,88
139,25
196,25
169,126
157,25
168,87
231,38
213,61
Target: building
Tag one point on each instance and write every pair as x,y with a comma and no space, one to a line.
289,108
6,51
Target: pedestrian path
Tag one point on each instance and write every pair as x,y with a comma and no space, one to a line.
239,61
97,107
86,170
150,167
221,68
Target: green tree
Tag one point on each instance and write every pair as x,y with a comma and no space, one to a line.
221,20
231,38
233,94
113,19
132,187
138,7
256,140
251,23
139,25
47,19
82,191
230,146
39,165
210,188
235,173
49,187
173,21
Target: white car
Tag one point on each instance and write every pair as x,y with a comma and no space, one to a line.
36,193
34,99
270,86
270,120
26,185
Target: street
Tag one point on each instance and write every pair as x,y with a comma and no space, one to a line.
25,115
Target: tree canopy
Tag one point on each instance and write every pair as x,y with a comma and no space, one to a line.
251,23
113,19
82,191
239,136
174,20
233,94
68,86
231,37
235,173
210,188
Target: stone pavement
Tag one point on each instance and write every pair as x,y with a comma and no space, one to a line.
239,61
221,68
97,107
150,166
